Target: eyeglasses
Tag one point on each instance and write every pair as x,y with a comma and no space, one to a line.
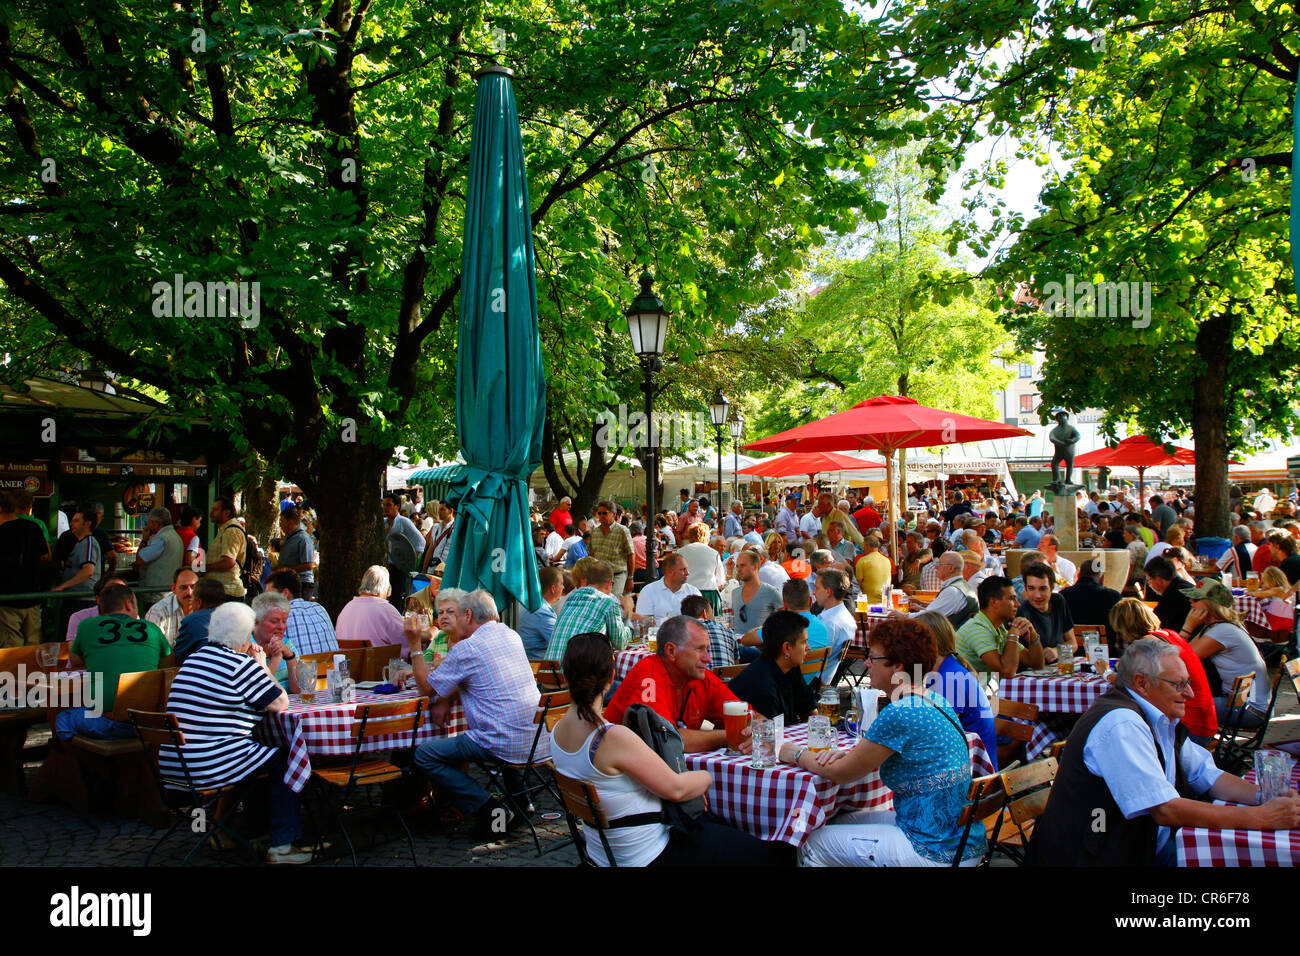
1182,686
743,618
872,659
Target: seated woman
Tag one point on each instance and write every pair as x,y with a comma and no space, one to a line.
773,684
270,620
632,779
1131,620
1281,606
1214,630
959,684
370,616
219,695
921,751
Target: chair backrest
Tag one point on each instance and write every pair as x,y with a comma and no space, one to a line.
1013,708
549,675
1027,789
141,690
581,802
552,700
815,662
155,728
348,644
984,799
1056,749
1240,693
355,656
375,658
731,670
29,657
390,717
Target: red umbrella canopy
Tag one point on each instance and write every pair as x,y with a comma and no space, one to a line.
1136,452
886,422
807,463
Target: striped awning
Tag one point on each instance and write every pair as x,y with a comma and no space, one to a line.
434,481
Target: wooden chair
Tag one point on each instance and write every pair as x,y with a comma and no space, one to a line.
1020,733
1235,748
731,670
520,782
346,644
355,656
985,799
1027,789
582,804
375,659
549,675
815,662
177,790
371,769
1056,749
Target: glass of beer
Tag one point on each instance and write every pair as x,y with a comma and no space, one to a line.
763,756
307,675
821,735
1065,659
735,715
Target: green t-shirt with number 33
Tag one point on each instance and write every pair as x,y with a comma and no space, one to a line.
114,644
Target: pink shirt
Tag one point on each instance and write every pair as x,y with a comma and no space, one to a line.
78,617
372,619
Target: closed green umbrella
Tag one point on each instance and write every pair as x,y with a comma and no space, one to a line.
500,382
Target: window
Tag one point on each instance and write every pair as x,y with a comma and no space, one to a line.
1026,370
1027,402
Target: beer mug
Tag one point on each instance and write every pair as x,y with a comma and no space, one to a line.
307,672
394,672
735,716
821,734
1065,659
764,737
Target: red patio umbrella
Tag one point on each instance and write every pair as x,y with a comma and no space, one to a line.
886,423
809,463
1138,452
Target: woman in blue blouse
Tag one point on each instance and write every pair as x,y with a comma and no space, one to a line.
959,684
920,749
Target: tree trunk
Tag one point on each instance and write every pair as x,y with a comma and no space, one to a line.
347,502
1209,426
259,505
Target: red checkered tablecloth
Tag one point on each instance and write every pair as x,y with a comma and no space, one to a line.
1251,608
786,803
325,730
1208,846
624,661
1058,695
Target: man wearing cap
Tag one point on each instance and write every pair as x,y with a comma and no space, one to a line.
1265,502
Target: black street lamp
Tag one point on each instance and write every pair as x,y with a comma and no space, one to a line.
737,429
718,409
647,324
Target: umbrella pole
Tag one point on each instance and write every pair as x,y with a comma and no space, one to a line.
1142,506
893,508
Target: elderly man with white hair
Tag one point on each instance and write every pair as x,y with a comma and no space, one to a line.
219,696
370,616
956,599
1238,559
488,669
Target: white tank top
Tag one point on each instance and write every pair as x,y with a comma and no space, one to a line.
620,796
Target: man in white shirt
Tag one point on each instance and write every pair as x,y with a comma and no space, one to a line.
810,525
829,591
1050,545
178,602
1265,502
554,542
769,572
662,598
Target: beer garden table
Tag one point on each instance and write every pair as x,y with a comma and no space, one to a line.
1210,846
1065,694
324,729
1250,607
785,803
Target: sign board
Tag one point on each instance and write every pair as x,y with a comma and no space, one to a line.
34,476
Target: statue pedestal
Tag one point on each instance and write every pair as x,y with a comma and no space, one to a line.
1066,521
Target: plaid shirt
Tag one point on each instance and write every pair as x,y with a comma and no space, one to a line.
230,542
930,576
309,628
722,644
497,690
585,611
612,548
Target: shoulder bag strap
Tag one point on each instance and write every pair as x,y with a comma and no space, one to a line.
634,819
947,717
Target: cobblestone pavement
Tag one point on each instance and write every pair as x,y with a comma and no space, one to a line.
51,835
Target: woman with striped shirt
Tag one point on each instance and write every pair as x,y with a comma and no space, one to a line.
220,694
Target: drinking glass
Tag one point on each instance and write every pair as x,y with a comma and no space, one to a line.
1272,774
735,716
393,672
47,655
821,735
307,675
764,737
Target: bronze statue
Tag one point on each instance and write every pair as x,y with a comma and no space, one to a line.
1063,437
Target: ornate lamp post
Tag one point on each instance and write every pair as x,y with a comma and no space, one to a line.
718,409
737,429
647,324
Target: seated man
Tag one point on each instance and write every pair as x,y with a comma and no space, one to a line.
75,619
591,608
986,643
114,643
795,597
1089,601
1117,798
488,670
309,628
841,626
169,612
662,598
724,650
536,627
872,569
956,599
1047,612
678,685
772,685
1169,586
209,594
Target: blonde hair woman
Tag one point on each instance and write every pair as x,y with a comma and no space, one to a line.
703,564
1214,630
1130,620
1281,606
